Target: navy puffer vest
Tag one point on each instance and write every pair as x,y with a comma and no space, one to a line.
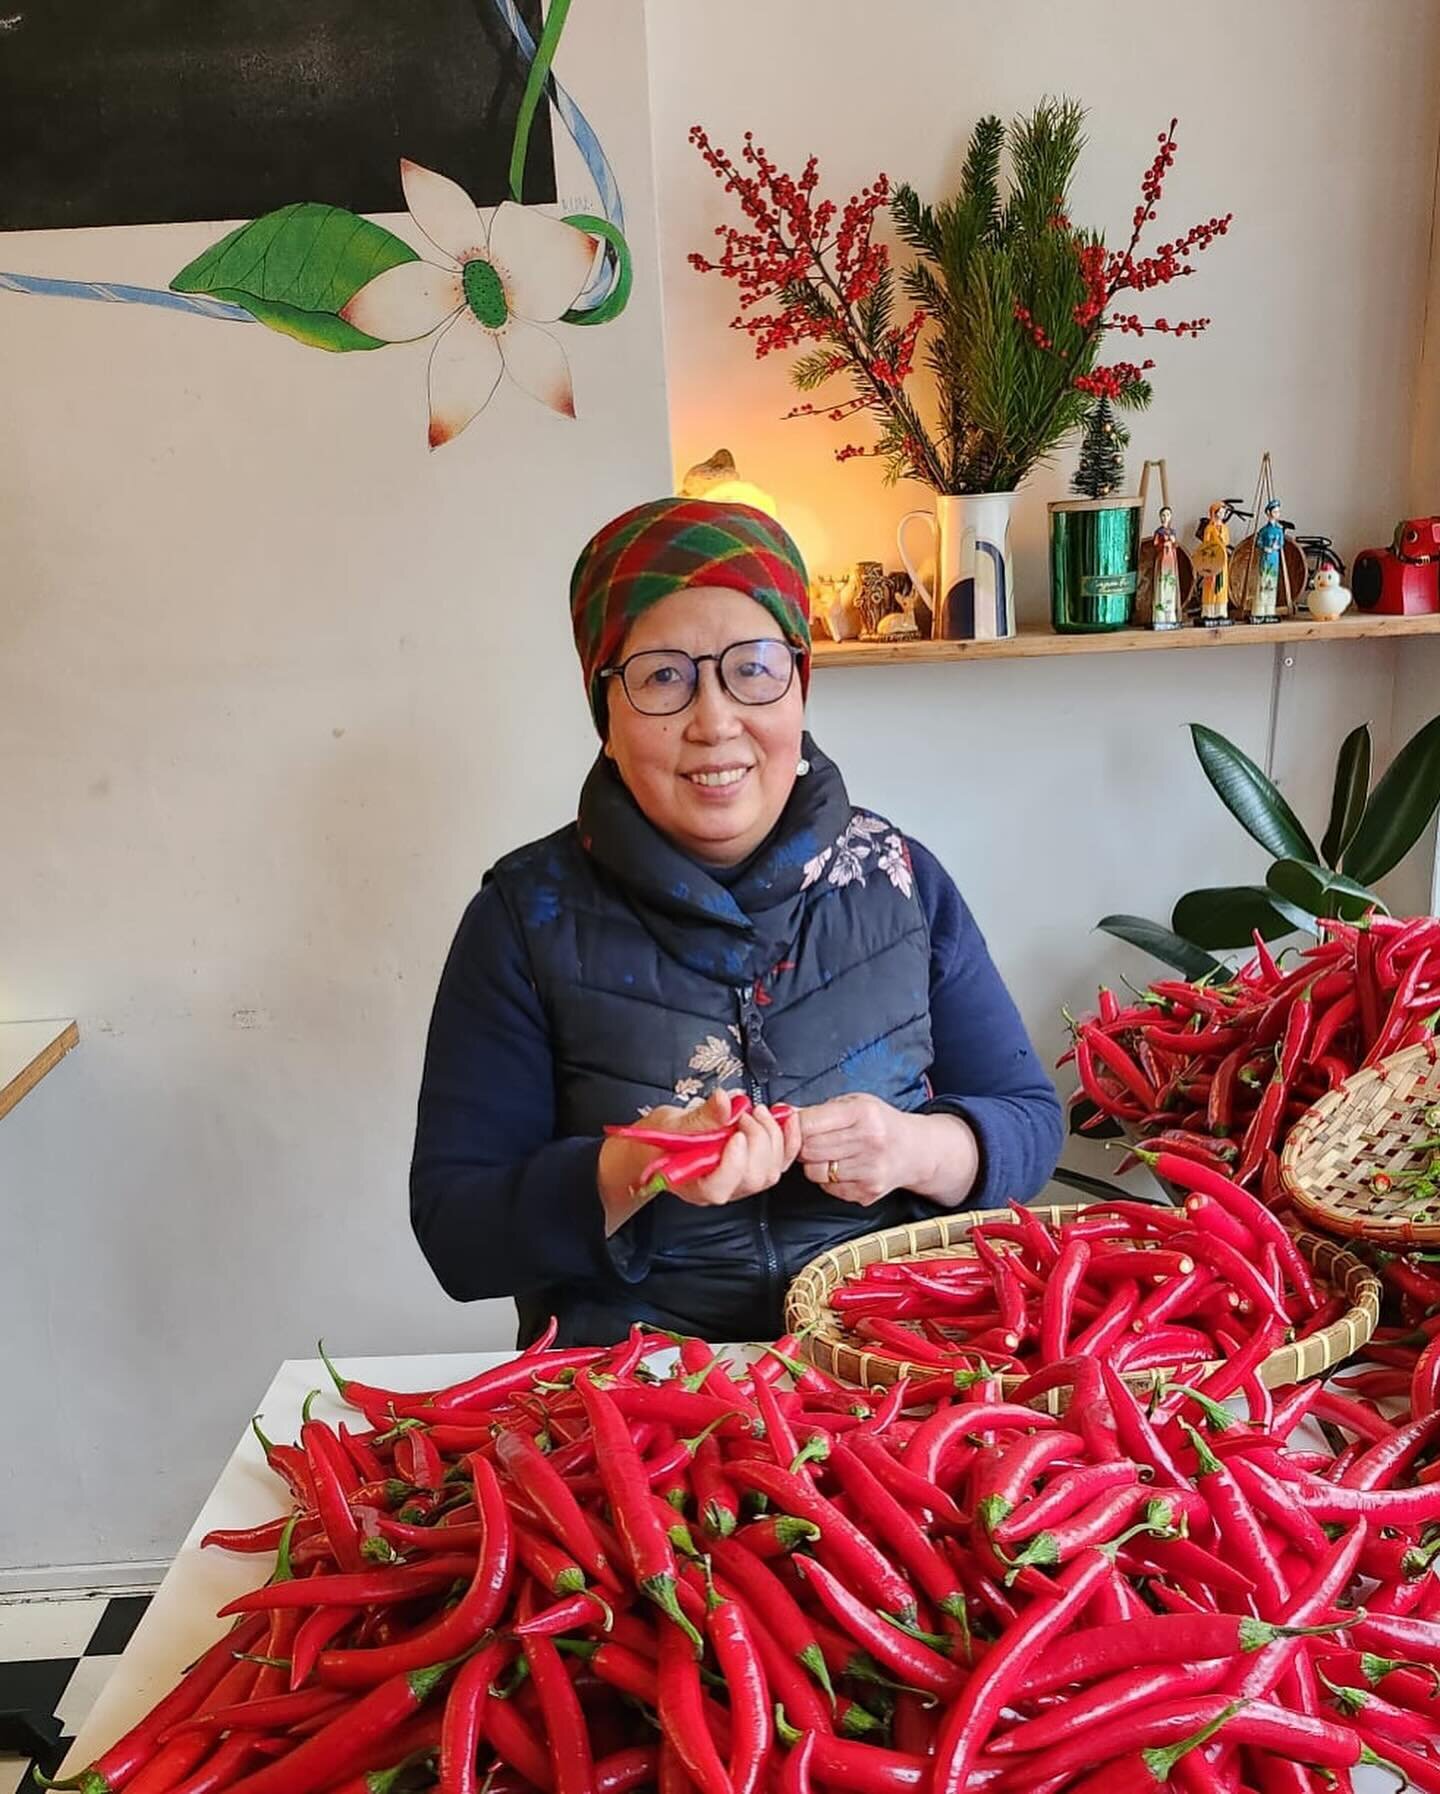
804,976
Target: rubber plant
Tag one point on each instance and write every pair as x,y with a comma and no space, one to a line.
1369,832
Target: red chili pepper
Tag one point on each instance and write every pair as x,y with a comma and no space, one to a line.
463,1625
1425,1383
568,1736
1063,1496
355,1588
248,1539
967,1726
904,1657
840,1539
551,1497
647,1547
752,1730
120,1762
682,1715
343,1745
1394,1454
462,1730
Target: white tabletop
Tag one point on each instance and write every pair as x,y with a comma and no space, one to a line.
180,1622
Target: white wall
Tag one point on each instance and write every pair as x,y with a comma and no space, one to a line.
1058,790
276,685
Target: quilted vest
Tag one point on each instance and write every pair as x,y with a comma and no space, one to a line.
806,977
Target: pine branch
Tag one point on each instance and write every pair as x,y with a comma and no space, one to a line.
980,178
813,370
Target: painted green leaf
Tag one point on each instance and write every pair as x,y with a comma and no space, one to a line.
1163,942
294,269
1227,915
1254,802
1399,808
1322,892
1352,788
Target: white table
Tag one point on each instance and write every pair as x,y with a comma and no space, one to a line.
180,1622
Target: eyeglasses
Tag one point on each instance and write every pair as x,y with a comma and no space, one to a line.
664,681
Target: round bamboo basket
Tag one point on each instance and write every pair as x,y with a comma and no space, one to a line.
825,1342
1375,1122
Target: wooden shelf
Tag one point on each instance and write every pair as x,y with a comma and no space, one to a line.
27,1051
1036,640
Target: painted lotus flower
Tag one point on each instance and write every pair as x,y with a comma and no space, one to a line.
496,282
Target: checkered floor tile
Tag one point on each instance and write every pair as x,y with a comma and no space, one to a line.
55,1657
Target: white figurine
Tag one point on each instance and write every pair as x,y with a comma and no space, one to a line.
1328,599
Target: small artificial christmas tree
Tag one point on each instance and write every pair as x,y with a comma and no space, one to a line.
1102,454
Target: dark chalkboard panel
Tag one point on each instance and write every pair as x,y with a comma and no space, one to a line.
155,111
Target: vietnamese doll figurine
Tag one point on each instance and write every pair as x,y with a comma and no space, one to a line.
1165,606
1211,562
1261,604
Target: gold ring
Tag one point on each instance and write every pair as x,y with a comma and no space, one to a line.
832,1173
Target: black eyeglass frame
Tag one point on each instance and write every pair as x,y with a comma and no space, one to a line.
697,661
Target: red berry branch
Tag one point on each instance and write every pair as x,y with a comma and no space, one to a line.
1107,273
808,272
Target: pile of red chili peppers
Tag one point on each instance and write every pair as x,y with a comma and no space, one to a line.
1133,1285
575,1575
1221,1072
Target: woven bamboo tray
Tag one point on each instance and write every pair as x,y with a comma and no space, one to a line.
824,1341
1374,1122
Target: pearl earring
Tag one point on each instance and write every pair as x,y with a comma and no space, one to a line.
802,768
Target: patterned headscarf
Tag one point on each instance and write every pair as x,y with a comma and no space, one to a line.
666,545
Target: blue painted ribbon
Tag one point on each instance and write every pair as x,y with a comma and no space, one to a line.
114,292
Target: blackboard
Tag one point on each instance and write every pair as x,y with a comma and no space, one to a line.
159,111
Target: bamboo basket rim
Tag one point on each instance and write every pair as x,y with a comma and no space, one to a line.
1363,1118
824,1342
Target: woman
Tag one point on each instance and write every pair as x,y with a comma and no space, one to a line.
718,920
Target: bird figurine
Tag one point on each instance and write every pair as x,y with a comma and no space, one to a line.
1327,598
719,470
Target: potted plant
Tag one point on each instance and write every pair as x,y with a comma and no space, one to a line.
1095,536
1368,833
1012,300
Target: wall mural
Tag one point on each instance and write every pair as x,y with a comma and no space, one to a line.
496,275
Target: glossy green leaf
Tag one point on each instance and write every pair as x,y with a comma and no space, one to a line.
1352,788
294,269
1399,808
1254,802
1227,916
1163,942
1322,892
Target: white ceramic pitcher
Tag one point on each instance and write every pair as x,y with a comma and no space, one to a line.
974,596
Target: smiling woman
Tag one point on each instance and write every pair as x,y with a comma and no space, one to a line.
721,941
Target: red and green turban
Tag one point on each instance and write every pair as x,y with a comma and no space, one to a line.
671,543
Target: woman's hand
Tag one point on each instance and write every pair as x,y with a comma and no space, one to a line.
859,1149
757,1154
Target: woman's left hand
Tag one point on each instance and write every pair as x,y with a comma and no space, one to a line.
859,1149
